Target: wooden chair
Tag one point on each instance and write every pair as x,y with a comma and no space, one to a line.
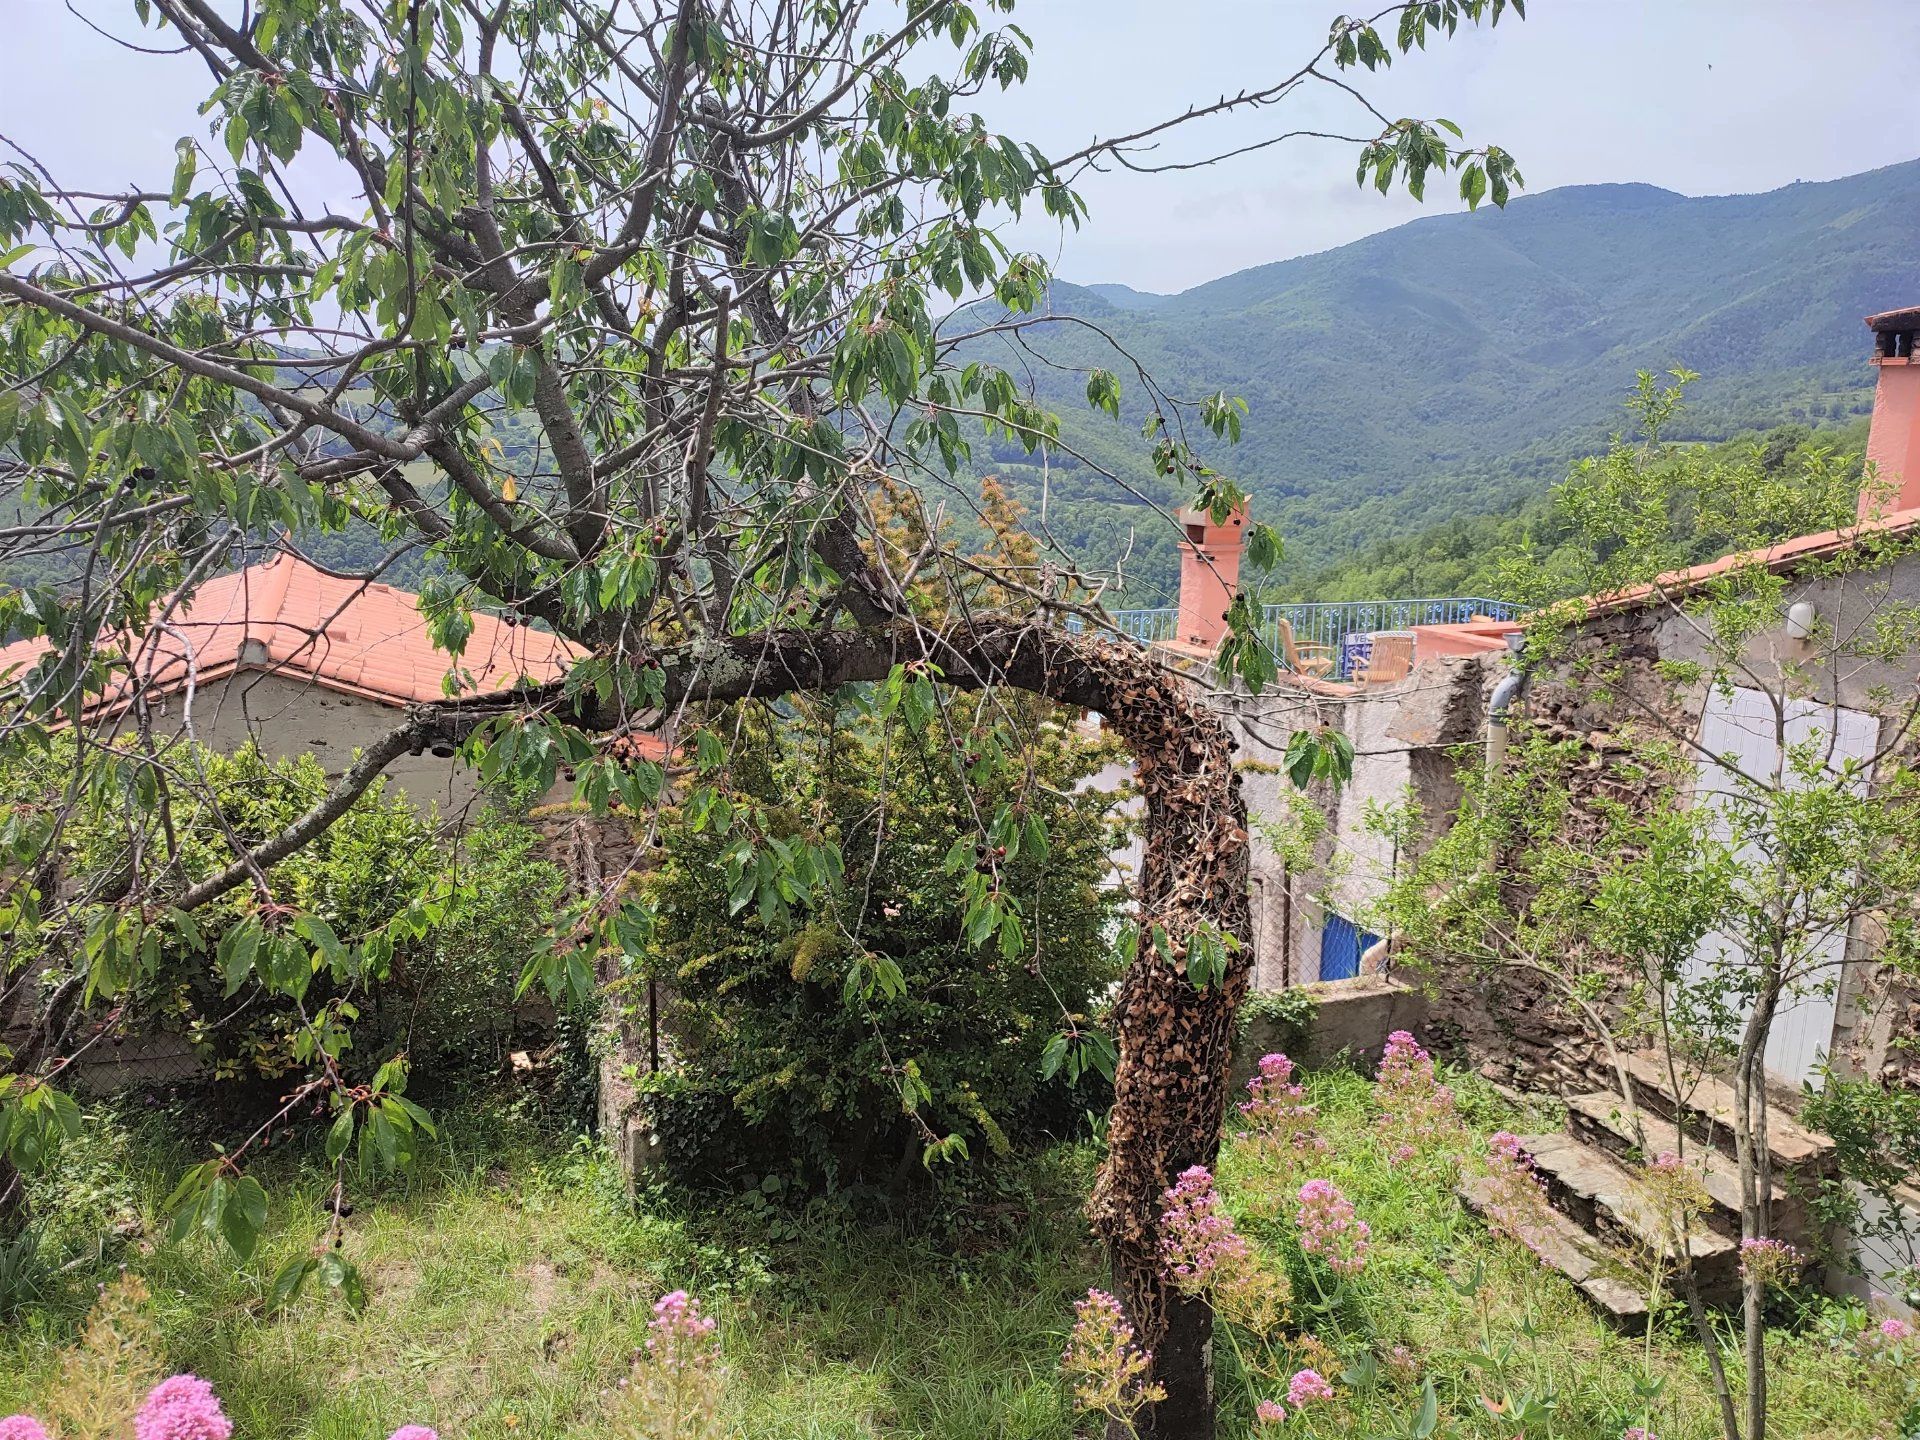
1391,658
1314,660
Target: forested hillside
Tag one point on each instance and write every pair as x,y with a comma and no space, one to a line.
1468,554
1412,396
1450,367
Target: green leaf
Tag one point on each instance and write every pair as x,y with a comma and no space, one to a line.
1428,1419
288,1282
1103,392
319,934
184,170
243,1215
1263,546
1473,185
237,948
342,1276
340,1136
1054,1056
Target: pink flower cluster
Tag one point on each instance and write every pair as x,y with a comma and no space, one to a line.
1329,1228
182,1407
1306,1387
1278,1111
1197,1238
1108,1371
1768,1261
1407,1072
1414,1105
1638,1433
679,1337
1517,1205
1888,1341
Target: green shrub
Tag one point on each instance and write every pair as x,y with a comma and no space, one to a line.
446,987
793,1063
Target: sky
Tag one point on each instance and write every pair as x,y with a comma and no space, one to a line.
1699,96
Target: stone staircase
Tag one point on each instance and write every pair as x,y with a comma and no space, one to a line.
1601,1228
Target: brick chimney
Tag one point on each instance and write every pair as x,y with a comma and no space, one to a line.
1893,444
1210,573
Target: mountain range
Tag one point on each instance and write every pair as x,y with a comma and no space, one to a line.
1455,364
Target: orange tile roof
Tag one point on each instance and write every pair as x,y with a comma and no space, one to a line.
290,618
1784,555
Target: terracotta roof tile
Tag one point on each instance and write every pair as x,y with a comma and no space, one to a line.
294,619
1783,556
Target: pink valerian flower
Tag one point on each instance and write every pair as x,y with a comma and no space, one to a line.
1197,1239
1889,1342
1767,1261
1407,1073
674,1385
1108,1372
1329,1228
1269,1412
679,1336
182,1407
1517,1198
1676,1195
22,1427
415,1432
1278,1111
1416,1110
1637,1432
1306,1387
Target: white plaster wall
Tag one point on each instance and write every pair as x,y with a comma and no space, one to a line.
1109,780
286,716
1846,604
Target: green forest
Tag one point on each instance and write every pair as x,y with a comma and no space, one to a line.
1450,369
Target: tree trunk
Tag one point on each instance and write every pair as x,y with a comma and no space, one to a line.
1175,1041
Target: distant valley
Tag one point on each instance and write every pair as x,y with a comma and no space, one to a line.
1451,366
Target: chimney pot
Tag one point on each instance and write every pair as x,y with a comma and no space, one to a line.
1893,442
1209,575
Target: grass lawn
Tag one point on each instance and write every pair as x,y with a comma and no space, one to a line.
508,1280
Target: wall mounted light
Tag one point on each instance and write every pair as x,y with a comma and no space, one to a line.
1800,618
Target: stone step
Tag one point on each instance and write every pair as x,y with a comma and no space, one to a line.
1705,1109
1604,1197
1600,1119
1595,1271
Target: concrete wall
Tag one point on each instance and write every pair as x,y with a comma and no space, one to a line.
286,716
1348,1024
1404,736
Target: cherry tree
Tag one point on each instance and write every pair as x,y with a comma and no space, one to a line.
638,308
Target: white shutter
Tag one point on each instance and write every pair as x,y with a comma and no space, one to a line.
1743,725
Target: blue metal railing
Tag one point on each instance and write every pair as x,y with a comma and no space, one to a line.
1328,624
1149,627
